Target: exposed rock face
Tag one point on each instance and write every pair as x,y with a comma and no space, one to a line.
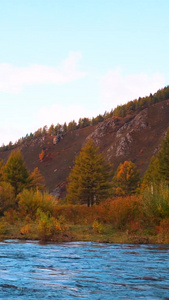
124,135
134,138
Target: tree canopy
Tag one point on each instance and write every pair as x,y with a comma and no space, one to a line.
37,181
15,171
88,181
163,158
126,179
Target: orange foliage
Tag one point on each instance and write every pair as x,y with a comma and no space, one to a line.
163,228
41,155
117,212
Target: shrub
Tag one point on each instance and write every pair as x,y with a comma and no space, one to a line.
7,196
30,201
11,216
47,226
156,201
124,210
25,229
3,228
98,227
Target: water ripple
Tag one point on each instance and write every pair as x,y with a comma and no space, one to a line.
83,270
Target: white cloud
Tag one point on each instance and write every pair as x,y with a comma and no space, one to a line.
10,134
59,114
118,89
13,79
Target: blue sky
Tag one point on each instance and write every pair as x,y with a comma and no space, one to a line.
65,59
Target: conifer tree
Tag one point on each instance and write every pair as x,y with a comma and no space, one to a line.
126,179
152,175
15,171
88,182
163,158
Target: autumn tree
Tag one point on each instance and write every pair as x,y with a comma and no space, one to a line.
51,130
88,182
42,155
37,181
163,158
1,169
126,179
7,197
15,171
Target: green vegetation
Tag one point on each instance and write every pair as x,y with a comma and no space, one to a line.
91,212
15,172
99,206
163,158
88,181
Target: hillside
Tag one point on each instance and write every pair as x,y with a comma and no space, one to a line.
136,137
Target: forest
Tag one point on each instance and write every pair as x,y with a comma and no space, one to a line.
100,204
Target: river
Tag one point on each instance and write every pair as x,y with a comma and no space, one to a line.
83,270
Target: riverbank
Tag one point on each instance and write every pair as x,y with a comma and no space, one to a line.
134,219
72,233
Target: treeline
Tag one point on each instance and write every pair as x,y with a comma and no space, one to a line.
120,111
57,129
141,103
97,202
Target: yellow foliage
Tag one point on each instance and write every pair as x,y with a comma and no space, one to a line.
3,228
97,227
25,229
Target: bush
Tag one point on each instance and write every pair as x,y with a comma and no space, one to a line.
47,226
26,229
3,228
156,201
30,201
7,196
98,227
124,210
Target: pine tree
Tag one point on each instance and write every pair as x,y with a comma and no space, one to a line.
163,158
126,179
152,175
88,182
15,171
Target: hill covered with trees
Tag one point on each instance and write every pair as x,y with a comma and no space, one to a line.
104,182
132,132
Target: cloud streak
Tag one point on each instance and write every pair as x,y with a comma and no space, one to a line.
14,79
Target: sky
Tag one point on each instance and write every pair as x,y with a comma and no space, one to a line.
61,60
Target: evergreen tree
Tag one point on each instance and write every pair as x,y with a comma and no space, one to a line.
152,175
126,179
15,171
88,181
163,158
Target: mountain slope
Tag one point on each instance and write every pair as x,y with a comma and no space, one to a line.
136,138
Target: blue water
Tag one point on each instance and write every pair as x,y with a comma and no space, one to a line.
83,270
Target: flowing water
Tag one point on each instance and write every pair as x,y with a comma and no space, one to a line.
83,270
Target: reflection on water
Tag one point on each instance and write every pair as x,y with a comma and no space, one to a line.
83,270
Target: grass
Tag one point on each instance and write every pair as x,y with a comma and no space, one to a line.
120,220
86,233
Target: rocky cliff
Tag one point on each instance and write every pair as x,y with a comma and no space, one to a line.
136,137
